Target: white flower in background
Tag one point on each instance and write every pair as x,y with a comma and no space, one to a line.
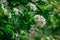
16,11
33,27
48,38
3,1
40,20
2,6
5,10
27,36
32,32
16,36
32,6
42,38
10,16
34,0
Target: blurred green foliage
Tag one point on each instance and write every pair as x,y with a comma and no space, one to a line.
49,9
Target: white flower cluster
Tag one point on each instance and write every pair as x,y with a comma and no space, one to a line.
32,6
3,1
32,32
6,12
16,11
40,20
4,7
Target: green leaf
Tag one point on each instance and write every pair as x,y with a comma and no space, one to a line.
41,7
1,33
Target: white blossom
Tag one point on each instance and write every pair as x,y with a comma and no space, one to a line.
32,6
3,1
16,36
5,10
48,38
40,20
10,16
42,38
16,11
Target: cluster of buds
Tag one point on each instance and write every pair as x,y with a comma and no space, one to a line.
6,12
32,6
4,2
4,7
33,32
16,11
40,20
